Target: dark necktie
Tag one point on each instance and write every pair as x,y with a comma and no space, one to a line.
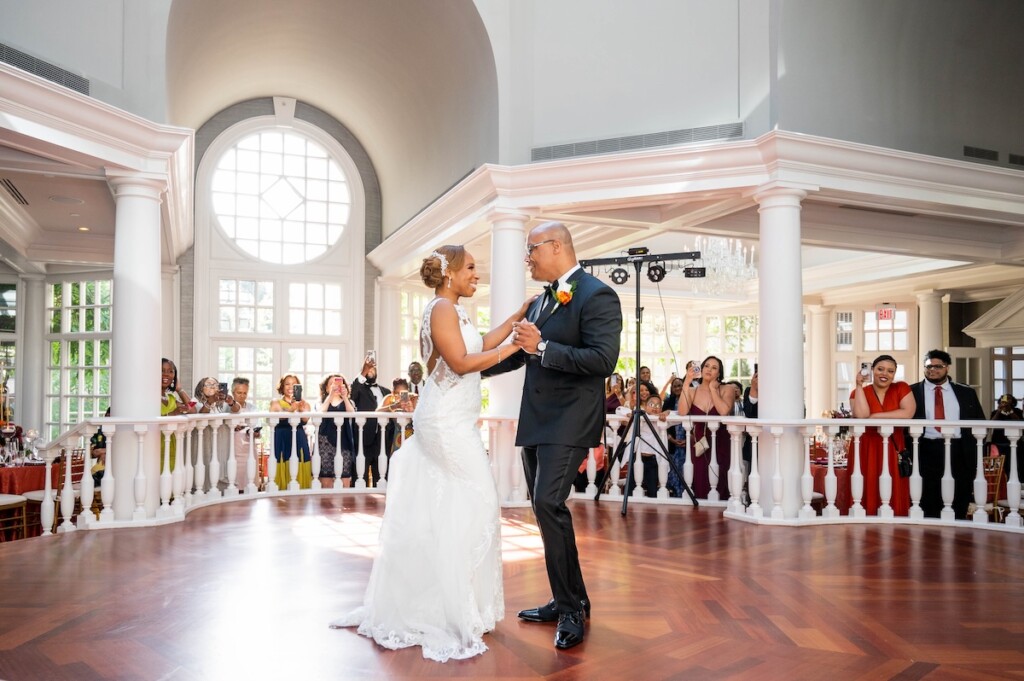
940,406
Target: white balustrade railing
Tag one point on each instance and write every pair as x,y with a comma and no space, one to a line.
213,458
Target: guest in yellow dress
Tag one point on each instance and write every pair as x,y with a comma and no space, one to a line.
173,402
286,387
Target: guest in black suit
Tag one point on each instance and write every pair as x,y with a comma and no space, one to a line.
368,396
571,343
960,403
750,411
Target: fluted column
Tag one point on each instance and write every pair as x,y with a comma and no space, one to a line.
508,290
137,336
929,324
31,364
820,396
389,352
780,357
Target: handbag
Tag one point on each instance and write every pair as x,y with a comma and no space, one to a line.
905,463
701,446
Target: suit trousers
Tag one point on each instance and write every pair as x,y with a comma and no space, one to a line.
550,472
932,460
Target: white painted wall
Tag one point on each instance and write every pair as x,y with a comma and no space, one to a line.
919,75
117,45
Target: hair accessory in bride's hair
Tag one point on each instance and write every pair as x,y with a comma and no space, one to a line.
444,262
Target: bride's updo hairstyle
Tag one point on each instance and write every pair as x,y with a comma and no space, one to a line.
442,262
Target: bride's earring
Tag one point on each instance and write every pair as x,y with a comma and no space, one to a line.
449,282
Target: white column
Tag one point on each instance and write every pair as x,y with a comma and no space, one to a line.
508,290
137,336
819,394
929,324
780,358
31,365
389,352
170,313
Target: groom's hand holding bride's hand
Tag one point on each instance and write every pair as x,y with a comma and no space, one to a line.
526,335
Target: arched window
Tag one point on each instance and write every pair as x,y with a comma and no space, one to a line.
280,229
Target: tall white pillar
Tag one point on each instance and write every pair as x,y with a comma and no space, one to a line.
819,394
508,290
929,323
137,336
170,312
780,358
31,365
389,352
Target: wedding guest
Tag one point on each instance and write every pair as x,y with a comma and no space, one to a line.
336,398
707,399
883,398
938,397
647,450
213,398
1007,411
173,402
416,381
677,433
368,396
244,433
287,402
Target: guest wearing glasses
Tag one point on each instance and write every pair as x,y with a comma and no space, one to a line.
883,398
940,398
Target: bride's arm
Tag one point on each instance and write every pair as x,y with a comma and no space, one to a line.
448,343
495,336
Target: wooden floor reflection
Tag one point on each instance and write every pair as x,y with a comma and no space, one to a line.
245,591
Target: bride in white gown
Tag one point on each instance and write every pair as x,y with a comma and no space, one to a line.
436,581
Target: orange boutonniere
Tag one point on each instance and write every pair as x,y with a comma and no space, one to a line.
564,297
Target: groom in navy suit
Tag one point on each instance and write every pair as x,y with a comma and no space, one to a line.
570,339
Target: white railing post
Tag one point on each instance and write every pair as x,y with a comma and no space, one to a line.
140,472
293,459
807,479
214,469
168,430
314,452
1013,517
980,483
107,488
754,479
230,465
714,470
86,491
199,472
67,494
735,467
382,455
885,509
916,482
661,458
778,484
360,454
184,472
251,465
831,481
857,509
948,484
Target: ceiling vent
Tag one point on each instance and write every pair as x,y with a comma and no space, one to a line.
983,154
707,133
13,191
43,69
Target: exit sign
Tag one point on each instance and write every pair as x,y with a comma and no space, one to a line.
885,313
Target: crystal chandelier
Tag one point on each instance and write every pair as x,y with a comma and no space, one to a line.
728,266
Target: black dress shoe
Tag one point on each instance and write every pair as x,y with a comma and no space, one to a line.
570,630
549,612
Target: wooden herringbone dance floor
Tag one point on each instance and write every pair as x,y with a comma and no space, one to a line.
245,591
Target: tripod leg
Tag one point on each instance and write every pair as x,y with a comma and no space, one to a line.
672,464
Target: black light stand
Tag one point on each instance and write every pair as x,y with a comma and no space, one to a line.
638,256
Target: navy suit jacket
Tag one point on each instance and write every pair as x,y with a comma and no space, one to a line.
563,393
970,406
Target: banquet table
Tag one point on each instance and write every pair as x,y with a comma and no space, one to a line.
21,479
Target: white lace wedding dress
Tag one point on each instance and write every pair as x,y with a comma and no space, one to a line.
436,581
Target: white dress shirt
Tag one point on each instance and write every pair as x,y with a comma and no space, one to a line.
950,405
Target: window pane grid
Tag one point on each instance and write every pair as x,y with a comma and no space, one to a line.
245,306
290,186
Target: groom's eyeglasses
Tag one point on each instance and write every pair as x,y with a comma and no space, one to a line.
530,247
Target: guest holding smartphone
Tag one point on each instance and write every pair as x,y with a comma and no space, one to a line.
335,397
290,401
244,433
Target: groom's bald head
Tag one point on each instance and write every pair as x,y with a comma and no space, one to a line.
550,251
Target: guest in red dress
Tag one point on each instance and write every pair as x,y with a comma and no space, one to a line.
882,398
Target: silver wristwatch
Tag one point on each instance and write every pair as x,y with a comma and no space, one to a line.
541,347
